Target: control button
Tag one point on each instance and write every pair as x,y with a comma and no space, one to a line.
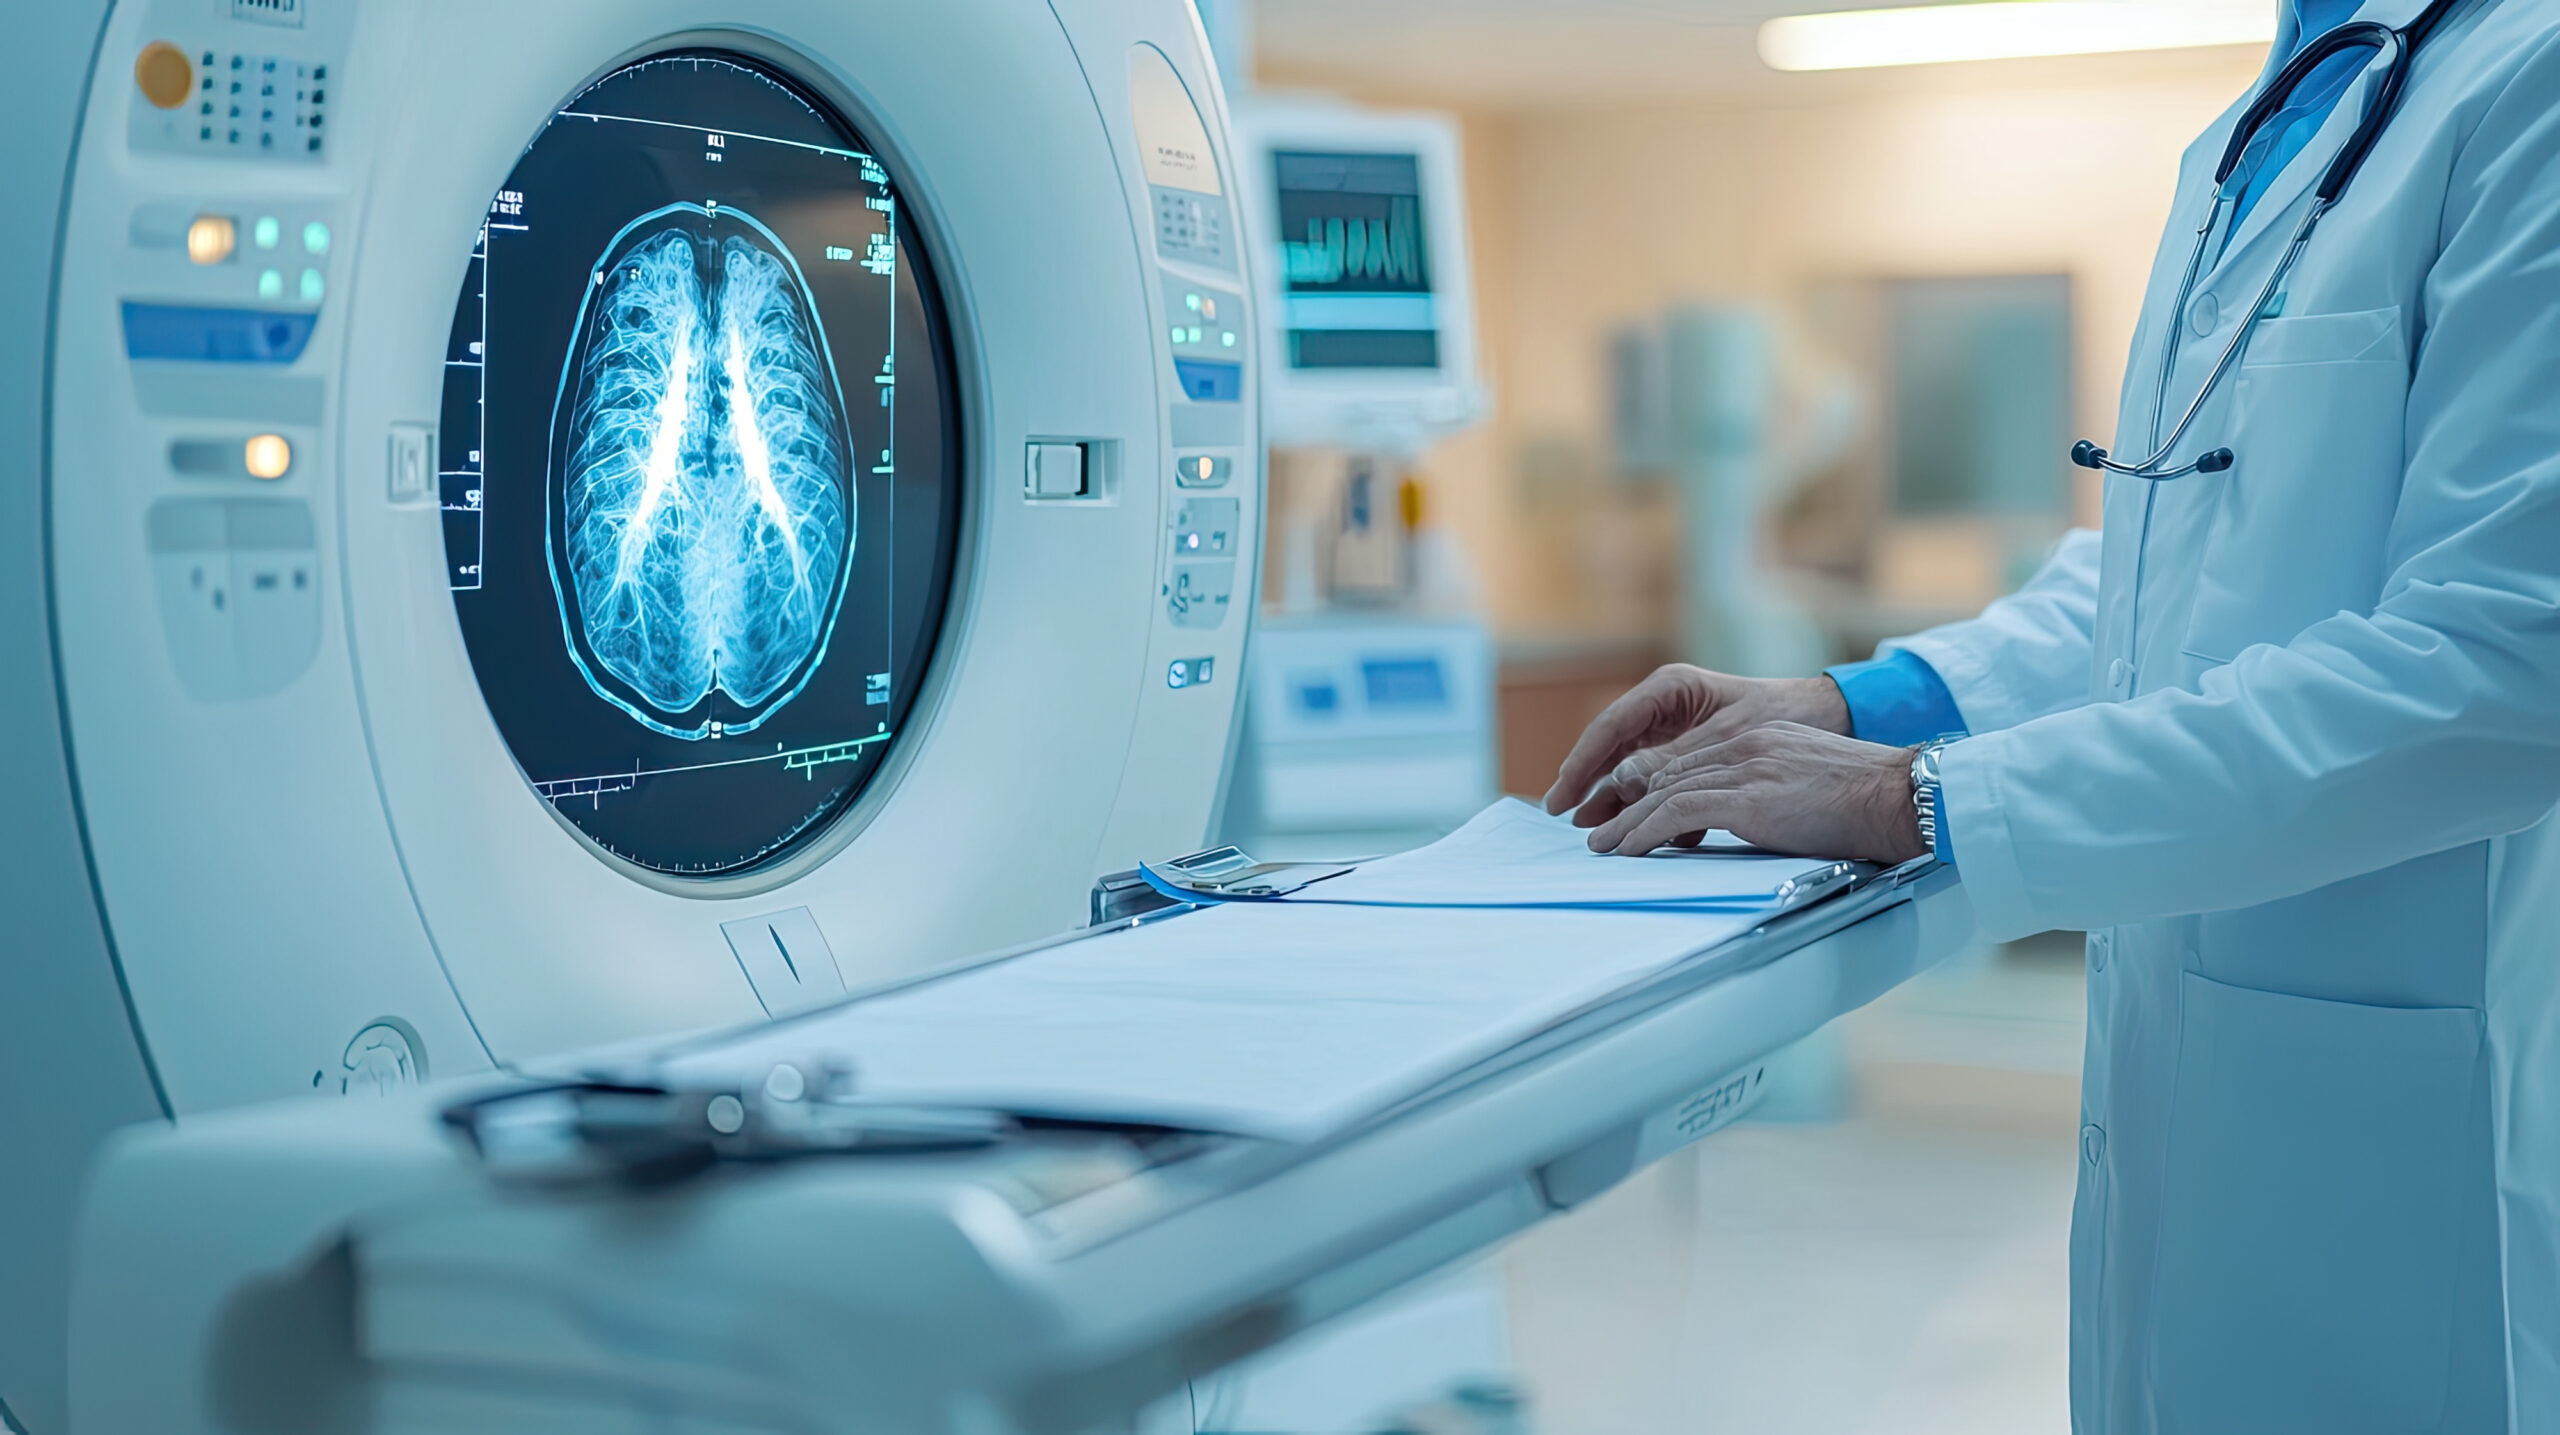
1054,470
413,463
313,286
2203,314
315,238
1206,528
267,233
1200,594
1190,672
211,238
165,74
271,284
267,456
1201,470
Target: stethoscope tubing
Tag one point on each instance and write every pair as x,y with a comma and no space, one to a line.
2403,46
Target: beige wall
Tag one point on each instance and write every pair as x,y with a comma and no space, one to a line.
1586,217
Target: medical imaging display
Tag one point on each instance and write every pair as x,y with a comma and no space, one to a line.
700,463
1356,261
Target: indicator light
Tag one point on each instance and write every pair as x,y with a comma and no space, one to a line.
266,233
315,238
267,456
211,238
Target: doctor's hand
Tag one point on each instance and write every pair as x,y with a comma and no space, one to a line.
1782,786
1679,710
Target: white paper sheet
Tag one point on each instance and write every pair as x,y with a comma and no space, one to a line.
1283,1019
1512,854
1270,1019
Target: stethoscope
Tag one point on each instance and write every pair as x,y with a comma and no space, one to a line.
2402,44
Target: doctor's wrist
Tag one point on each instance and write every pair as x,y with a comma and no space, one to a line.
1815,702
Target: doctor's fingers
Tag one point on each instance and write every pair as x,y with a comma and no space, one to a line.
1675,816
1625,786
1726,751
1674,699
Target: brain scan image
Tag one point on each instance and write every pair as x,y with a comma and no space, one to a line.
700,465
704,500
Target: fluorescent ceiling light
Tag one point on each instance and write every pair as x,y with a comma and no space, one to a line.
2007,30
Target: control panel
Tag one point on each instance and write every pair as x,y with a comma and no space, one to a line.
215,100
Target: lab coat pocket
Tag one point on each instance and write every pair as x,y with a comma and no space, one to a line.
2316,424
2311,1213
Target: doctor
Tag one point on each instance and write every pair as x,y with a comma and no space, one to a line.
2284,738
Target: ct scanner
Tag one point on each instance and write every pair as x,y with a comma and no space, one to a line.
536,525
535,528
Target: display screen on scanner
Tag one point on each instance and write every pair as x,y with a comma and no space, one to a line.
700,485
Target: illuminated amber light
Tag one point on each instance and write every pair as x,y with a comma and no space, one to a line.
211,238
165,75
267,456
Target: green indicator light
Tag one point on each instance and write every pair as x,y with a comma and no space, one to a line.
312,286
315,238
1192,301
266,233
1228,339
271,284
1195,333
1178,332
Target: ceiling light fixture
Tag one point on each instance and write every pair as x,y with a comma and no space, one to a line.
2007,30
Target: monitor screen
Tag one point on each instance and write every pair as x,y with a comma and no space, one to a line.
700,465
1356,259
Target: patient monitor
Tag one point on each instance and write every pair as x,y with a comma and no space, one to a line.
534,525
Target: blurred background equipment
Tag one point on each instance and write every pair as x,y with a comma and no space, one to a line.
1370,690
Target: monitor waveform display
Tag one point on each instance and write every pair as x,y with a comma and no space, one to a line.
1339,249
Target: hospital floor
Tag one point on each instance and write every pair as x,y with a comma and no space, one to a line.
1899,1270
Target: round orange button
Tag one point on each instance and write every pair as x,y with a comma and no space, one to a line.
164,74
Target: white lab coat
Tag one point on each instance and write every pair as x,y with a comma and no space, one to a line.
2301,796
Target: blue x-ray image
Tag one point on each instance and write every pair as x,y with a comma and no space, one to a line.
706,514
701,464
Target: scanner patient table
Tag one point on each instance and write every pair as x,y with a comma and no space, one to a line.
461,1258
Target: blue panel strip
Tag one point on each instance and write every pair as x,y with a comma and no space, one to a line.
1363,311
1210,382
215,336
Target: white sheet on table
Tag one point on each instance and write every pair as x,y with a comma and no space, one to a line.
1270,1019
1512,854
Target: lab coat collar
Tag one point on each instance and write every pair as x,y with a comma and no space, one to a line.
2281,203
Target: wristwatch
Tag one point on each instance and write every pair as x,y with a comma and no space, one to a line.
1925,798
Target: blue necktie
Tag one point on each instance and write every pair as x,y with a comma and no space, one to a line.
2286,131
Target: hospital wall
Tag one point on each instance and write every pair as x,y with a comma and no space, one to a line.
1585,216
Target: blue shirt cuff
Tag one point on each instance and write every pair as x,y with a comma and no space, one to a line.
1899,700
